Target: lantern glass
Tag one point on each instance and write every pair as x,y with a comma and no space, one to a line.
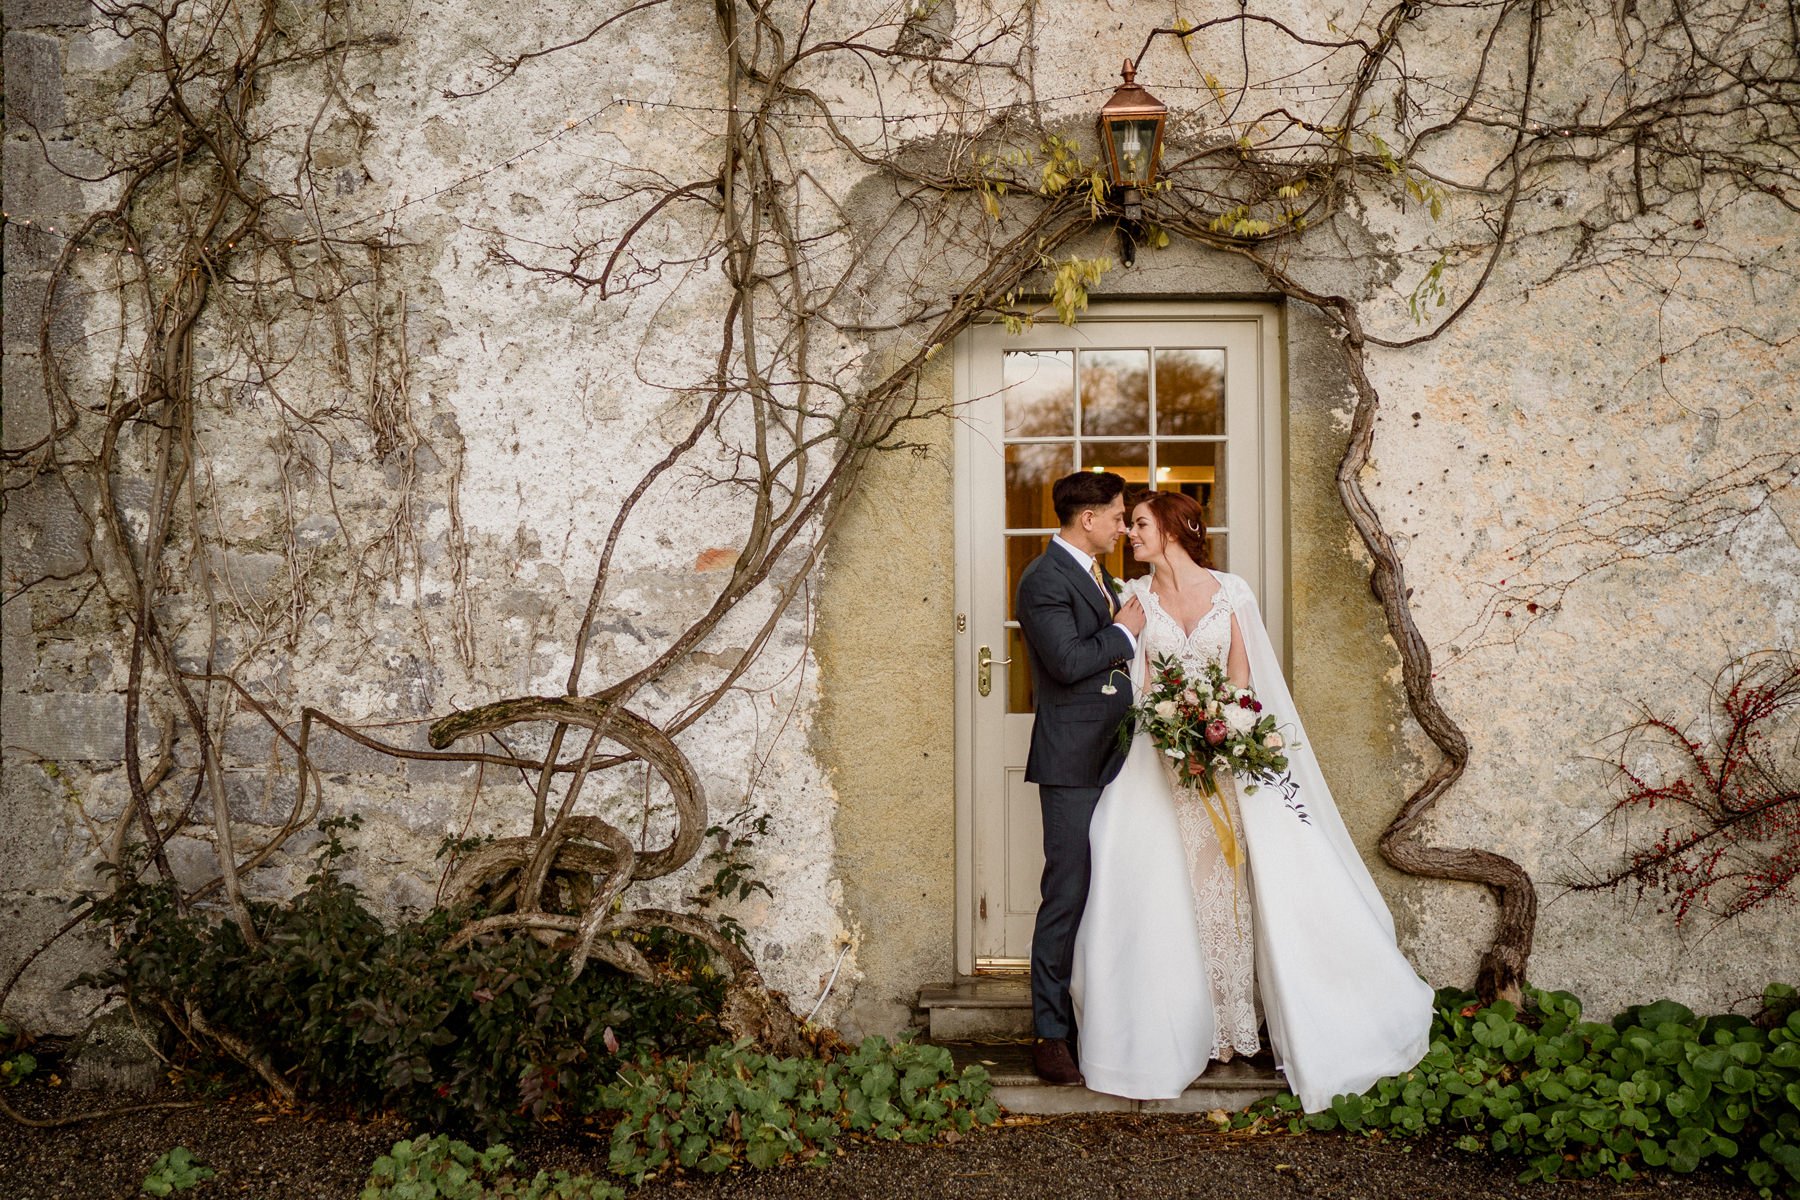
1133,146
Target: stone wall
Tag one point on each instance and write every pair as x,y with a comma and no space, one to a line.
532,407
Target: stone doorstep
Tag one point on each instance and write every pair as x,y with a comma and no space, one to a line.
1231,1086
978,1008
986,1019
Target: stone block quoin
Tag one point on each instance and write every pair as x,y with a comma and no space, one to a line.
35,194
47,14
43,533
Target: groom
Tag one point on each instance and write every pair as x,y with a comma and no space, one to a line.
1077,634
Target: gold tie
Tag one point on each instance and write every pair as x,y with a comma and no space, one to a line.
1094,570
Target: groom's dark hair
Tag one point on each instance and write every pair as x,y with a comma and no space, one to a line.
1084,489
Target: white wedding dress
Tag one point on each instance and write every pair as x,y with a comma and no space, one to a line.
1178,954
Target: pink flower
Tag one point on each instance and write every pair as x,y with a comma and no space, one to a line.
1216,732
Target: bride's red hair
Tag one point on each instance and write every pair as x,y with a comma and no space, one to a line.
1180,519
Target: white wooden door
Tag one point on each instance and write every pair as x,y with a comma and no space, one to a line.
1179,404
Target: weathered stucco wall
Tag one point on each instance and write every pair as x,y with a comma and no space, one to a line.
529,407
886,728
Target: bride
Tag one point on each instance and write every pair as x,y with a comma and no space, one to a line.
1204,914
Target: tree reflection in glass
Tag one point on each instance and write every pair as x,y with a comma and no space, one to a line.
1031,469
1039,392
1115,392
1190,392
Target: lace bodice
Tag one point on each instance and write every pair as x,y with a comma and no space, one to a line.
1208,641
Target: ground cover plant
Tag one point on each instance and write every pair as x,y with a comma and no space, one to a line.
1656,1087
730,1108
738,1106
176,1171
441,1168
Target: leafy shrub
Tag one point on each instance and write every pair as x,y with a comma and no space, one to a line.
437,1168
15,1063
490,1035
1656,1087
176,1171
735,1105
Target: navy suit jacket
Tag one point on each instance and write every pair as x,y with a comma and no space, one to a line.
1074,648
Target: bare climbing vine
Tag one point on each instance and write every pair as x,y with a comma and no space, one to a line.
1267,173
246,309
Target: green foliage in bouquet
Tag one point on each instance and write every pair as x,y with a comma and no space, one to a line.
737,1106
1657,1087
493,1035
1205,724
439,1168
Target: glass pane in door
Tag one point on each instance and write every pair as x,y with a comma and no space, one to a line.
1018,675
1190,392
1194,469
1031,468
1038,387
1129,460
1115,392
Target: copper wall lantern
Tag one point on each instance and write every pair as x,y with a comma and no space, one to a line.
1131,127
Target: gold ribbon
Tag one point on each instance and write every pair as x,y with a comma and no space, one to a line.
1214,803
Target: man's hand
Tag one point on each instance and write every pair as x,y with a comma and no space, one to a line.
1131,616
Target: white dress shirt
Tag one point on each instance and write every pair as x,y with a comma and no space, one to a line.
1085,561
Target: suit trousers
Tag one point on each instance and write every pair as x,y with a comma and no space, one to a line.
1068,811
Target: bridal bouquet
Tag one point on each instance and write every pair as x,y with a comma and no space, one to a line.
1205,724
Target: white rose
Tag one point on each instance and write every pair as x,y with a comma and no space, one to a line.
1239,719
1166,709
1273,741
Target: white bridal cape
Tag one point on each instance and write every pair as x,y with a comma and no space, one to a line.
1344,1008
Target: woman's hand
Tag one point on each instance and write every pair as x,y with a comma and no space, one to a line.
1132,617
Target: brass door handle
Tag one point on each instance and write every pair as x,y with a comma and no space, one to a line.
985,662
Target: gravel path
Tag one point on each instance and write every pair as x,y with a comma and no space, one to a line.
269,1155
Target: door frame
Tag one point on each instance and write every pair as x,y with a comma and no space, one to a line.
1272,392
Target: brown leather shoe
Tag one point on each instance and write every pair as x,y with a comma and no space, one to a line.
1051,1059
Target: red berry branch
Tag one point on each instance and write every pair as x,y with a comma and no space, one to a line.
1727,803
